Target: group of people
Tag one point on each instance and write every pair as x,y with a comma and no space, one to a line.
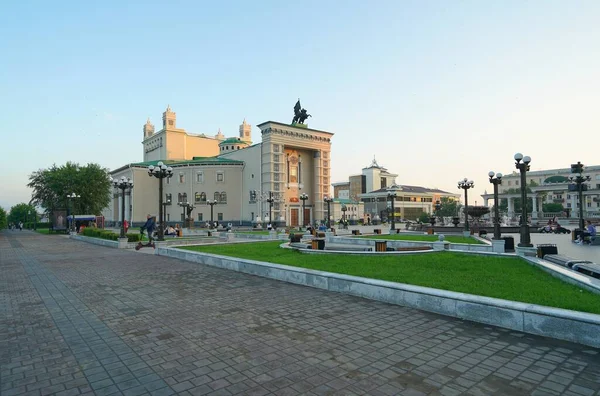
174,231
553,226
14,226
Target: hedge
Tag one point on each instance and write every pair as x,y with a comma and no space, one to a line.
105,234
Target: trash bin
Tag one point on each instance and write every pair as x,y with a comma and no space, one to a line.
509,243
544,249
318,243
380,246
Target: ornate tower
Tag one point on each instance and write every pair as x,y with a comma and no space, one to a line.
148,129
169,117
246,132
219,135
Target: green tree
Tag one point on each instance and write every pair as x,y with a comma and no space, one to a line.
448,207
552,208
21,212
3,219
423,217
51,186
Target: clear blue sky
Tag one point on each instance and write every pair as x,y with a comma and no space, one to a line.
437,90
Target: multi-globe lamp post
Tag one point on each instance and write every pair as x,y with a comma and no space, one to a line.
328,201
496,180
160,171
270,201
522,164
466,184
123,184
391,195
578,182
72,197
212,204
303,197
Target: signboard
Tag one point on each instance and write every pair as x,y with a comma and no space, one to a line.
59,220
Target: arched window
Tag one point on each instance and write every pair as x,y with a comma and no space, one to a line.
184,197
197,197
223,197
202,197
217,196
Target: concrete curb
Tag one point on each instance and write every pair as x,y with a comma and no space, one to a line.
583,328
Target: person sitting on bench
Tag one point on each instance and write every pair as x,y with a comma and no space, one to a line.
170,231
591,231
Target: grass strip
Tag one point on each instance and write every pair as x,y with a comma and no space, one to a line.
424,238
509,278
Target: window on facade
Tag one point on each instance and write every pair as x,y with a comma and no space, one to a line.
217,196
275,148
276,177
182,197
293,174
220,216
275,157
200,217
383,182
197,197
276,168
200,177
253,196
202,197
220,176
276,186
181,178
516,182
325,164
325,155
168,198
223,197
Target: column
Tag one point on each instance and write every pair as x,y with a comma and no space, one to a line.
534,213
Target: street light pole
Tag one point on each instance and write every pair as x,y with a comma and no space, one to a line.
183,205
303,197
123,184
465,185
522,164
579,181
392,196
496,180
72,197
270,200
160,171
328,200
211,203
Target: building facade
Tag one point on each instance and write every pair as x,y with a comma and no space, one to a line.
372,188
249,182
551,186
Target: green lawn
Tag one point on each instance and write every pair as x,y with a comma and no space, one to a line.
508,278
253,232
424,238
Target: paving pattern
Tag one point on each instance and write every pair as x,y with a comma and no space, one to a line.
82,319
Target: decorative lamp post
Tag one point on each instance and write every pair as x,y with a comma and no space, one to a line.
496,180
72,198
164,208
578,182
160,171
438,207
183,205
270,200
522,164
303,197
211,203
344,209
465,185
392,197
123,184
328,200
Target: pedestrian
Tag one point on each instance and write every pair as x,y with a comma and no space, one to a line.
149,227
20,226
126,226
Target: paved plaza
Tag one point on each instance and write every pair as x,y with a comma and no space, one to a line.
83,319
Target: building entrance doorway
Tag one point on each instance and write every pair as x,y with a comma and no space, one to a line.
306,218
294,217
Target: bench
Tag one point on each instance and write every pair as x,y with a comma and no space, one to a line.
412,248
589,269
563,260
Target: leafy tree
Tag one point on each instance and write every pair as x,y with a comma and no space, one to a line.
424,217
21,212
3,219
51,186
448,207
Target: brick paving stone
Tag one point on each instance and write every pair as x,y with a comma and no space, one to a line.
86,319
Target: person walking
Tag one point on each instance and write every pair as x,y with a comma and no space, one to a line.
20,226
149,226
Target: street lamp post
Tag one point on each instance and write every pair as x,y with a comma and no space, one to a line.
522,164
183,205
270,200
123,184
496,180
211,203
72,198
160,171
465,185
164,208
392,197
344,209
328,200
303,197
579,182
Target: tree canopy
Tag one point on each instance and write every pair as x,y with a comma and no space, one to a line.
448,207
3,219
21,212
51,187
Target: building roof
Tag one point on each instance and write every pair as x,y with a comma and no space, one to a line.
233,140
411,189
179,163
292,126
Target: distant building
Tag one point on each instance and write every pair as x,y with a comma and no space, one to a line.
239,175
551,186
371,189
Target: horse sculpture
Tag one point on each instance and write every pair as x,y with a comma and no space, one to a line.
300,114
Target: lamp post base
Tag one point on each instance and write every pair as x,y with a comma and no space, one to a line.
525,237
